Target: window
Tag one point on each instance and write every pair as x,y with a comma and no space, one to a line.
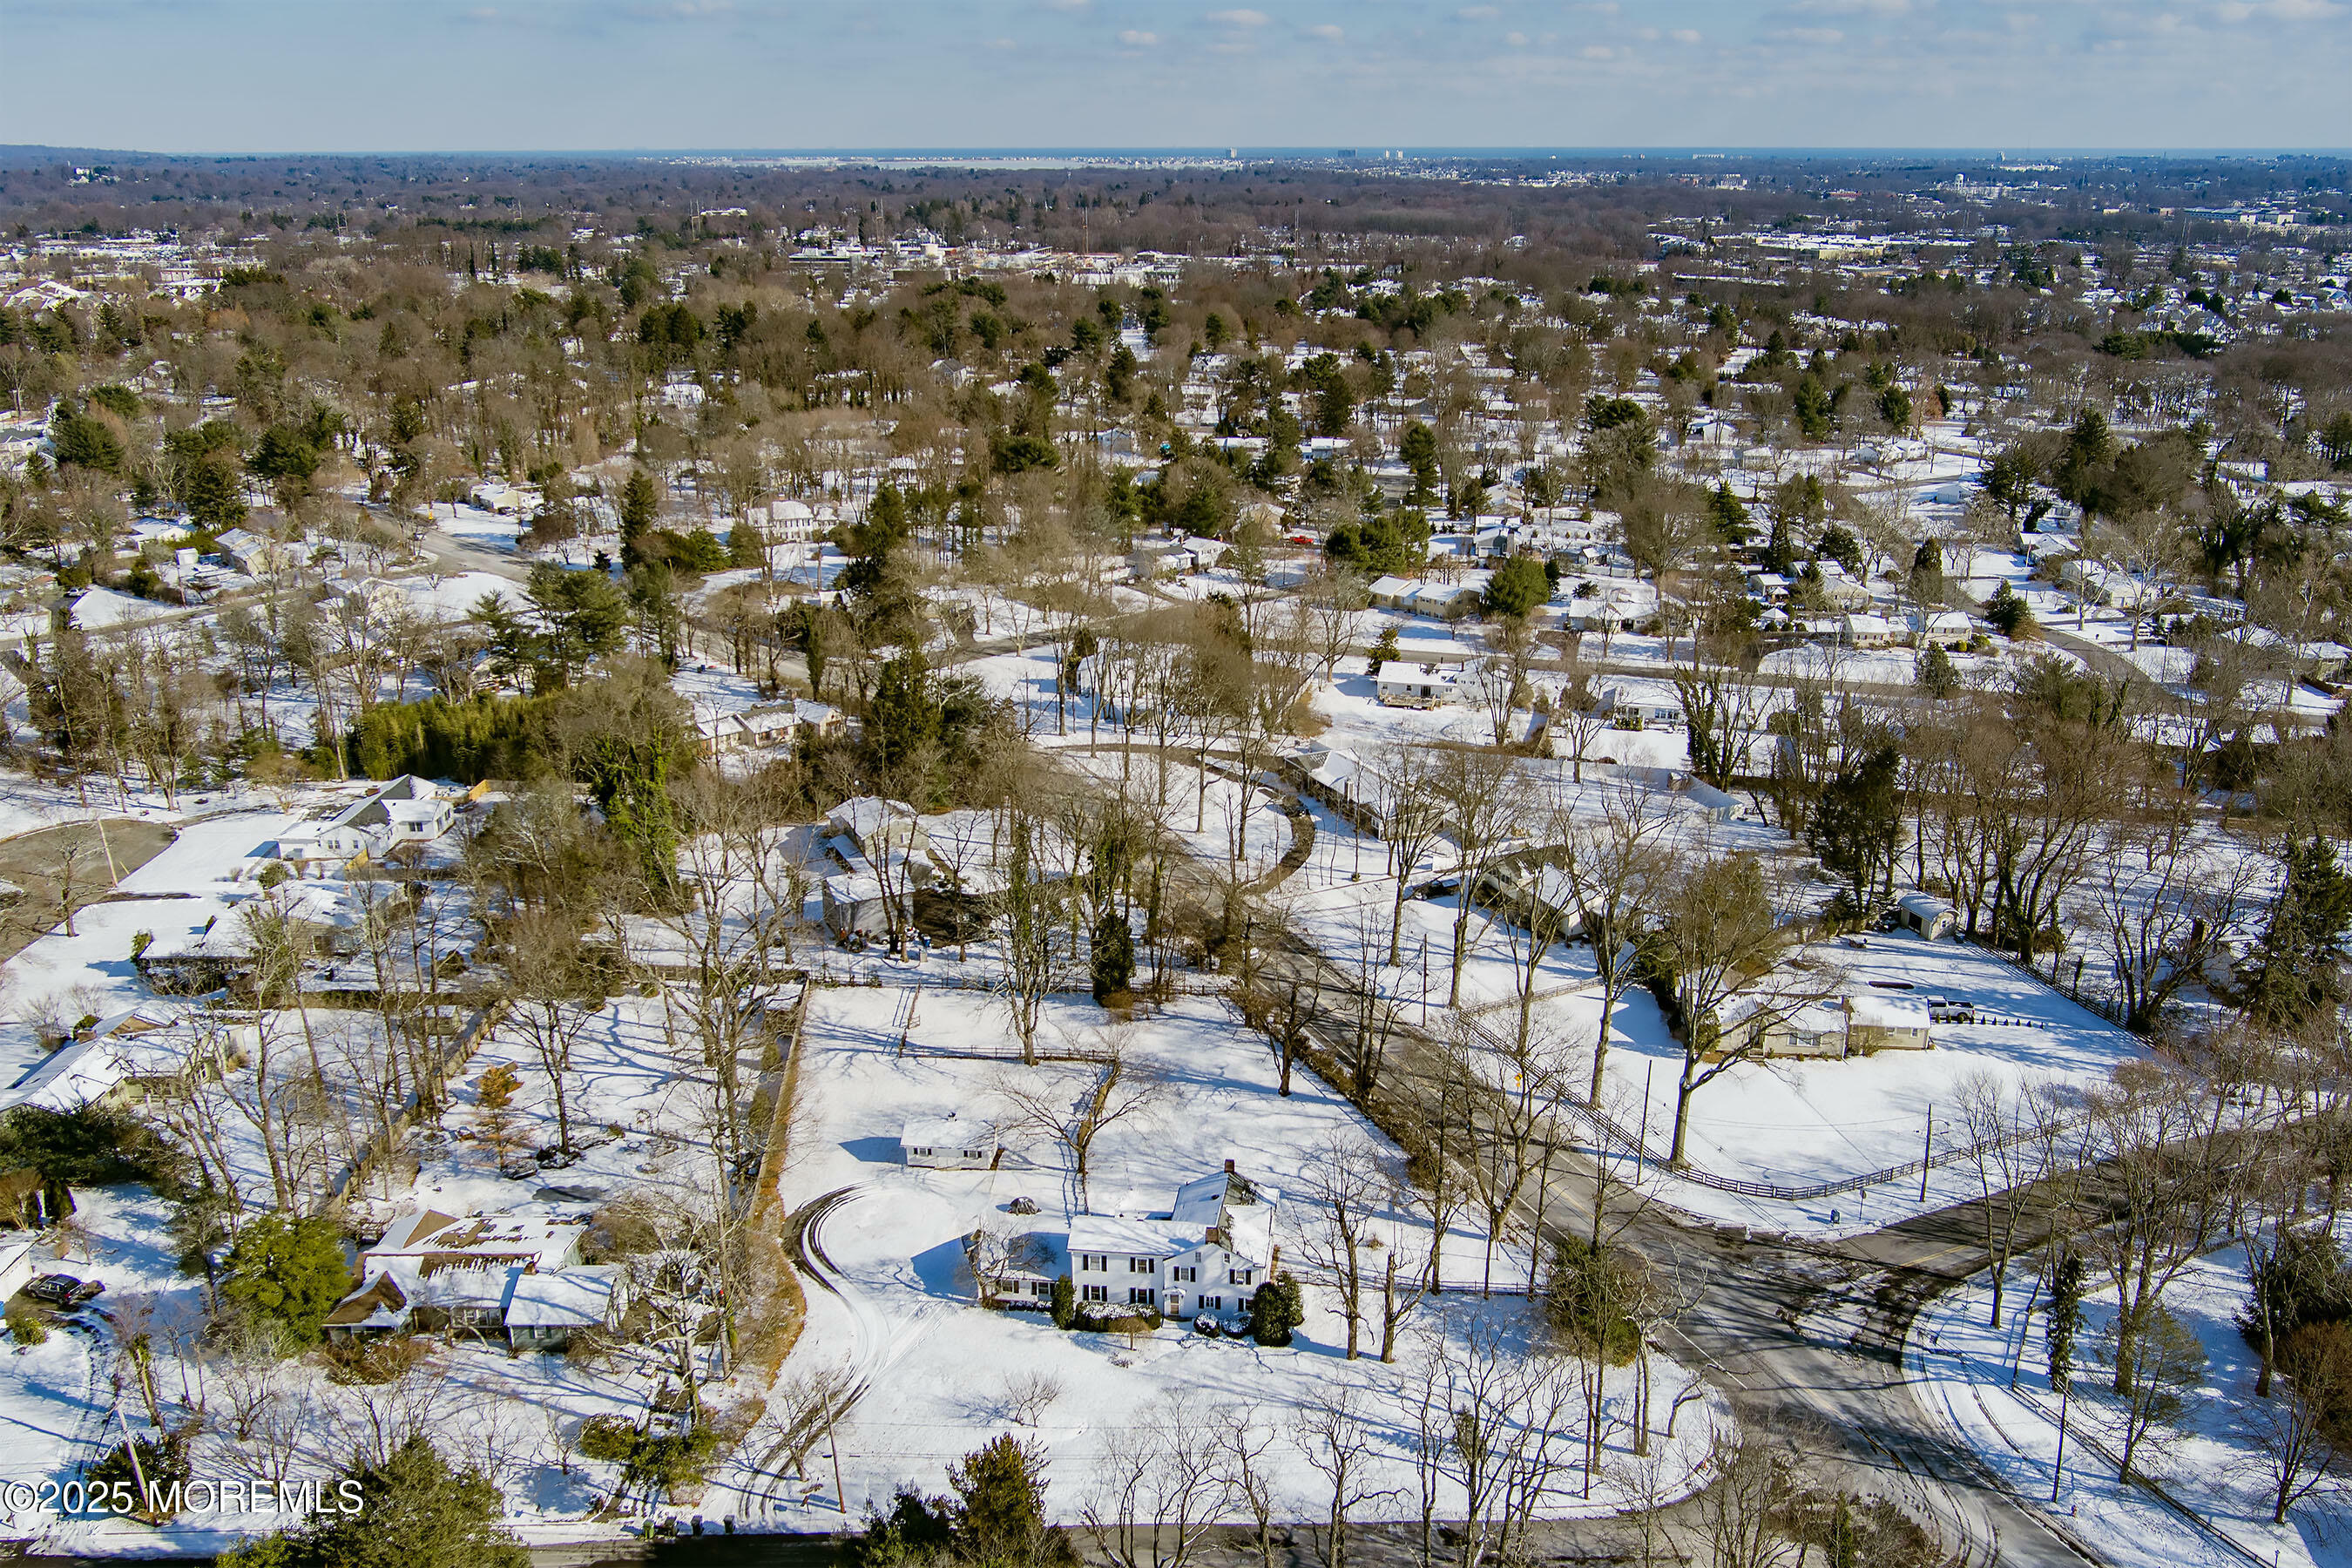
1213,1303
1140,1296
925,1154
1093,1263
975,1154
1139,1266
1185,1275
1039,1289
1098,1293
1237,1276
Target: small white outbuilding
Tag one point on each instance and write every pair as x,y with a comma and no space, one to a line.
947,1143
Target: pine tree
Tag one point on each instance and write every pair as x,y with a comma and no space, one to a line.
1935,673
2298,969
1000,1507
640,508
289,1270
745,545
2064,1319
1113,954
1417,449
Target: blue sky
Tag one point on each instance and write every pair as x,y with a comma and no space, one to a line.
424,74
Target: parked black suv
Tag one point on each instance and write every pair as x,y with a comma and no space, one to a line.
63,1290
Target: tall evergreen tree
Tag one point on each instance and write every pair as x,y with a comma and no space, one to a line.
2297,970
640,510
415,1510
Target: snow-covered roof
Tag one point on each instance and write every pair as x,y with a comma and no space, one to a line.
431,1237
944,1132
581,1296
1210,1199
1134,1237
101,607
1874,1010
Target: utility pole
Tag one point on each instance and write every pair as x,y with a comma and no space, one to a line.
840,1494
1424,981
2058,1465
1926,1152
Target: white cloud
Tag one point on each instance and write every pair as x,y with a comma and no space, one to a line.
1597,52
1069,5
1479,12
1853,7
1329,32
1135,40
1685,35
2279,10
1818,35
1517,40
1238,19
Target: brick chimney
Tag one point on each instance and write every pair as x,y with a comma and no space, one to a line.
1229,1167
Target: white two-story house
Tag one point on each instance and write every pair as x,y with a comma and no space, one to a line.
1209,1254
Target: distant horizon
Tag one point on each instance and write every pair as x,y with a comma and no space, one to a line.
1234,152
262,77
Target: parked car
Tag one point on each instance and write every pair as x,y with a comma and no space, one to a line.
65,1290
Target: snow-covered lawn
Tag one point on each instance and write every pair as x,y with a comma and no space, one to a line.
939,1370
1964,1368
1796,1122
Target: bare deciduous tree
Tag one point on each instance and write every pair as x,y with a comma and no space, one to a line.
1117,1089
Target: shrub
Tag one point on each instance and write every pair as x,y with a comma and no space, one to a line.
1109,1318
25,1327
612,1438
415,1510
94,1146
1275,1309
1113,957
672,1460
372,1362
1064,1303
2007,613
165,1467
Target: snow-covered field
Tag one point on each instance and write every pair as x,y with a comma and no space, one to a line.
1964,1368
1795,1122
938,1371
